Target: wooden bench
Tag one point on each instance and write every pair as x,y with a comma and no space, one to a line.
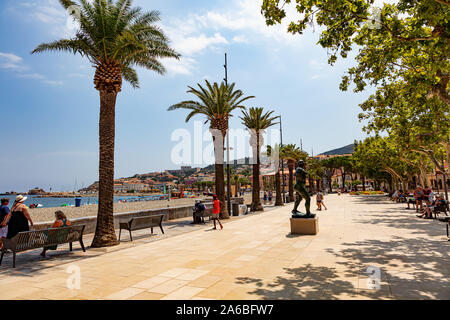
30,240
140,223
205,213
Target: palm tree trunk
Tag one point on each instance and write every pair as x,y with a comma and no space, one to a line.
311,185
278,199
220,190
343,177
291,181
256,201
105,234
256,190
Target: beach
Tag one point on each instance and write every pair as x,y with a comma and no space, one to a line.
48,214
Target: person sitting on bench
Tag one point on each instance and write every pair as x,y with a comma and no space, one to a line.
199,209
411,200
60,222
431,206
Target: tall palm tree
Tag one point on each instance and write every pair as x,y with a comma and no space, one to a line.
216,102
278,198
257,121
237,186
115,38
291,154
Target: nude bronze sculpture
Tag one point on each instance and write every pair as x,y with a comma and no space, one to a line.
301,192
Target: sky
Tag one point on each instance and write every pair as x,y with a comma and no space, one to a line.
50,108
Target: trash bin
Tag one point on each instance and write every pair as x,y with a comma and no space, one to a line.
77,202
235,207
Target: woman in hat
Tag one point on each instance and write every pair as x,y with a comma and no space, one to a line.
18,218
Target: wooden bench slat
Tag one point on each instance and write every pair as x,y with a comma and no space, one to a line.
140,223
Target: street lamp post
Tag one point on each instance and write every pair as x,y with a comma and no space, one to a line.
228,147
282,162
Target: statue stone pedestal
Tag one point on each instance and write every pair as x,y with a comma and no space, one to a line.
305,226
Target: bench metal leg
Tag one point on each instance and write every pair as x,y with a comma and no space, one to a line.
160,226
1,258
130,235
446,226
70,246
151,229
82,245
120,232
14,259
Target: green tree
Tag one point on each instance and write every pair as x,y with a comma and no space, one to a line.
115,38
406,40
316,172
256,120
216,102
330,165
414,122
377,155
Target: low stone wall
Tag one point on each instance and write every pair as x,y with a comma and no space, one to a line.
91,222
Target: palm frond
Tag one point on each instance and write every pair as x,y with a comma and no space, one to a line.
214,101
114,32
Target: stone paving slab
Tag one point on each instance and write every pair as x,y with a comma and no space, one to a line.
257,258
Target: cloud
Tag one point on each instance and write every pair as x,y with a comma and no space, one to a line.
49,12
192,45
316,65
54,82
11,61
16,64
184,66
245,16
240,39
36,76
194,34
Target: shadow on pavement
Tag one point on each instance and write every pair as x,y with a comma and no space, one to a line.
307,282
419,267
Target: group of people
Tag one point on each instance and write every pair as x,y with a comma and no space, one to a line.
319,201
18,219
14,220
424,200
200,208
268,196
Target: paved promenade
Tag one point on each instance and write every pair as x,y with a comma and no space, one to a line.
255,257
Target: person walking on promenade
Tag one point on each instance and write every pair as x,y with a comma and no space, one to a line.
216,212
4,211
18,218
319,200
270,196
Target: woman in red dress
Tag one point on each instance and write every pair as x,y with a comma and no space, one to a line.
216,212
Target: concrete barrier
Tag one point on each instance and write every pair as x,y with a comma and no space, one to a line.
171,213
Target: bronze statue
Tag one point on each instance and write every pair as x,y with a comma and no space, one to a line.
301,192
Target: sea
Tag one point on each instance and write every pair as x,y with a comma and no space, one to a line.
54,202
